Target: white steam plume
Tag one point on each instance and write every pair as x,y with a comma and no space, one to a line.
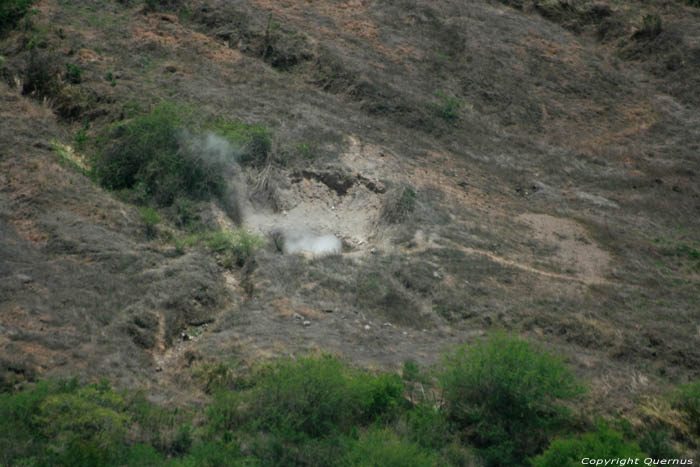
298,241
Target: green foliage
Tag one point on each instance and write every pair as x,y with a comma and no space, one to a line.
66,423
253,141
656,443
312,397
695,3
111,78
602,444
150,219
428,427
150,153
236,247
382,448
504,392
308,150
81,139
214,376
186,213
73,73
449,106
687,400
11,11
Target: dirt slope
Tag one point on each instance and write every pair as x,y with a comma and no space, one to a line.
552,162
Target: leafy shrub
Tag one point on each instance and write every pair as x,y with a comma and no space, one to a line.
63,422
687,400
11,11
504,392
313,397
73,73
151,154
602,444
428,427
382,448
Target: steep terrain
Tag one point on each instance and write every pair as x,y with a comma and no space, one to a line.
525,165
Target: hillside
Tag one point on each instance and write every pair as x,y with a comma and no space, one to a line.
529,166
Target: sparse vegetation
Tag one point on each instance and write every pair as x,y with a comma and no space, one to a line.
234,247
150,219
73,73
449,106
398,205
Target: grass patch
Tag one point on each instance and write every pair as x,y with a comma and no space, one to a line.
253,142
234,247
150,219
68,157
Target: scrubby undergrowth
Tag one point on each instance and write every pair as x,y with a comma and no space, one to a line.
489,404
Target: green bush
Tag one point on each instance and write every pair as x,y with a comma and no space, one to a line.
428,427
313,397
64,423
687,400
382,448
151,154
73,73
602,444
503,392
11,11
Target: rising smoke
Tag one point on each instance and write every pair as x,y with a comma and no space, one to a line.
220,158
217,154
295,240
